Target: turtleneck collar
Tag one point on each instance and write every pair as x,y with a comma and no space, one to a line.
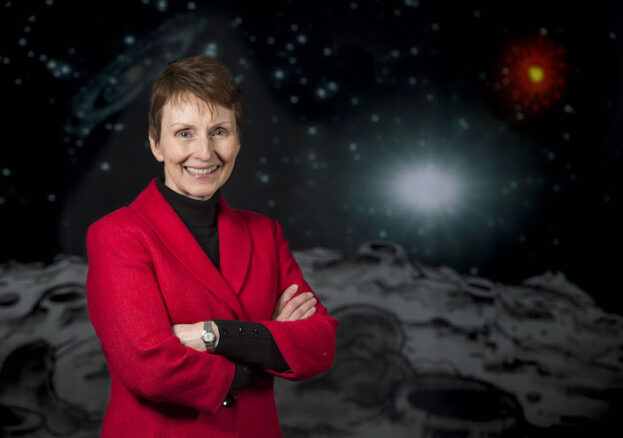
194,213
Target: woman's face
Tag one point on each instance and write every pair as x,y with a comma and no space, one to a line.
198,147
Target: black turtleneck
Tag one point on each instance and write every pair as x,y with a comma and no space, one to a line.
251,354
200,217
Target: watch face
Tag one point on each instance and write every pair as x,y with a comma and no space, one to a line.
208,337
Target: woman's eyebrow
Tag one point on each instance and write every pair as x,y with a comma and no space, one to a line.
222,122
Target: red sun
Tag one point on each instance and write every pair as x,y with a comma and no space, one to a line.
532,75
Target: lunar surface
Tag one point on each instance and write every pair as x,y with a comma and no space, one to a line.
421,351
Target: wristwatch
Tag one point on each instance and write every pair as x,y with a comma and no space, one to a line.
207,335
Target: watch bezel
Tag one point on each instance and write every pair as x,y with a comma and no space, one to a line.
208,336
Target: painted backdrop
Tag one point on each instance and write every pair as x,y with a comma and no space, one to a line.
448,172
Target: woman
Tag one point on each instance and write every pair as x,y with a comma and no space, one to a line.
198,305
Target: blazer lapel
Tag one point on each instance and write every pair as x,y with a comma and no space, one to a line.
162,219
234,245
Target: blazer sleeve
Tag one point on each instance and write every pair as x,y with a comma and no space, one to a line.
132,323
307,345
250,343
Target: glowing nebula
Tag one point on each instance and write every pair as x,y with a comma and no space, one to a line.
532,75
428,188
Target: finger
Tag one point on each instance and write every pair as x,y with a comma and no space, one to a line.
302,310
309,313
283,302
289,307
285,297
295,303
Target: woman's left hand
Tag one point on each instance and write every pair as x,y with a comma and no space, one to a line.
190,335
293,308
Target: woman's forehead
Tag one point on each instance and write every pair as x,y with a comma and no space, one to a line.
190,106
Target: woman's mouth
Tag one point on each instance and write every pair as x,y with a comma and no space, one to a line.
203,170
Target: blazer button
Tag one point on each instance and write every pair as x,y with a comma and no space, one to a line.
230,400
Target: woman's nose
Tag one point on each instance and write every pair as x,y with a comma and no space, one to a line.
203,149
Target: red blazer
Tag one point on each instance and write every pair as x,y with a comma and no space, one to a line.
146,273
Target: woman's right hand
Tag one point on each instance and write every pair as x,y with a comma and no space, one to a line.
293,308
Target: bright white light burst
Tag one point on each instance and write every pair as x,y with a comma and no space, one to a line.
428,188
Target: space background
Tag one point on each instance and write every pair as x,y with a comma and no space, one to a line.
471,145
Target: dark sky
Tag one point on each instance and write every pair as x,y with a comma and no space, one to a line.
363,120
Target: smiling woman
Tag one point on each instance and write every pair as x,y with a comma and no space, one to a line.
198,305
195,123
198,146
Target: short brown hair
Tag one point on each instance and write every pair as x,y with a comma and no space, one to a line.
204,77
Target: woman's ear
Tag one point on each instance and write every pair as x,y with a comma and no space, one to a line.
155,149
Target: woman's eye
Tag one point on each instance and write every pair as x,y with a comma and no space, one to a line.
184,133
219,132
